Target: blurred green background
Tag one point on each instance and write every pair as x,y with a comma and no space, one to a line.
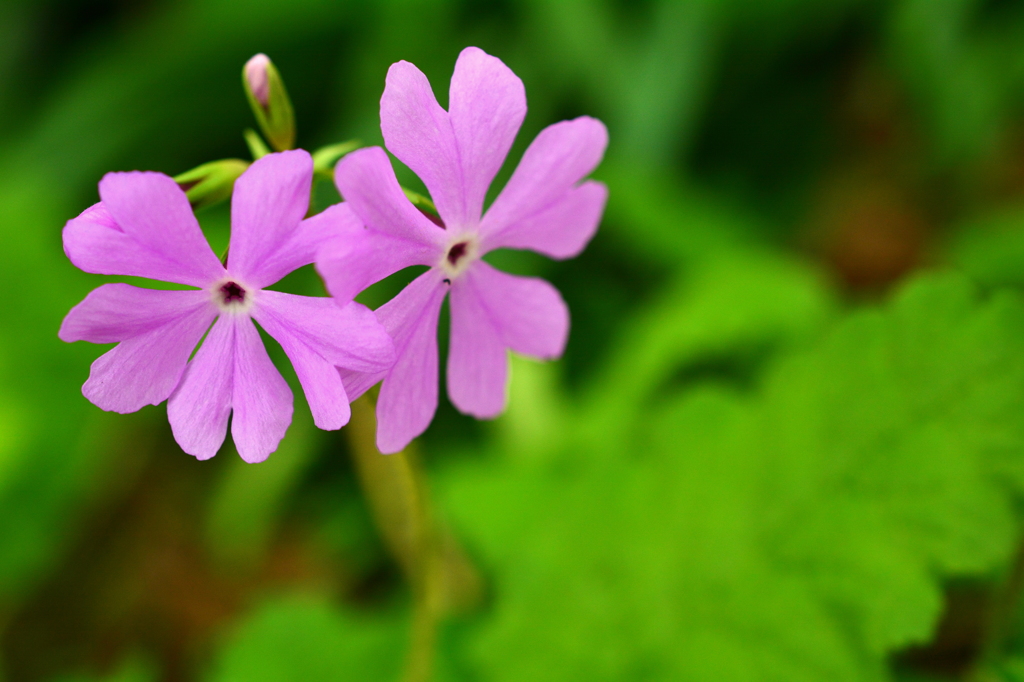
786,441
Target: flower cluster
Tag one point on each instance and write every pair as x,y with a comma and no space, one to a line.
144,226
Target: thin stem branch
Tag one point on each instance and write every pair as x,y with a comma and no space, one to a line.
441,578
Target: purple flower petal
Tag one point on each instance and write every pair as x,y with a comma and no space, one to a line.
529,314
260,397
561,156
346,335
320,381
358,383
335,223
477,359
270,199
562,230
317,334
418,131
95,243
350,263
367,181
487,104
408,396
163,237
115,312
147,364
199,408
456,155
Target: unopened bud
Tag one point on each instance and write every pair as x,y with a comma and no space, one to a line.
256,78
212,182
269,101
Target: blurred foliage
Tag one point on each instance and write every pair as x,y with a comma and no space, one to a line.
303,638
797,534
787,438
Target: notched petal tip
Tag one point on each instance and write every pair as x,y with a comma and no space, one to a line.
292,156
599,130
155,233
255,457
146,366
66,333
391,440
261,399
402,68
202,455
386,447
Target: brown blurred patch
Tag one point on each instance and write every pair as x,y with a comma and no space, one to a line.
958,638
867,218
1000,178
869,230
141,579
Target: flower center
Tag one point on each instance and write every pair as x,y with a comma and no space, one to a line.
231,296
457,253
232,292
459,256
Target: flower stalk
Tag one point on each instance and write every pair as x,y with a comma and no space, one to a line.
442,580
257,147
325,158
211,183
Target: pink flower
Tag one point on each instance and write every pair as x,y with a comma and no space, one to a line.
144,227
544,207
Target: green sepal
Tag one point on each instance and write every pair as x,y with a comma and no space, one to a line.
419,201
325,157
277,118
211,182
257,147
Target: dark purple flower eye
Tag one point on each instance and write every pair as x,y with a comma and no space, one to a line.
232,293
456,253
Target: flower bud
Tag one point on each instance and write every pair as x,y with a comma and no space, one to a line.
269,101
257,80
212,182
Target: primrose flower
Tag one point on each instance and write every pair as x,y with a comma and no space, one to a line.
544,207
144,227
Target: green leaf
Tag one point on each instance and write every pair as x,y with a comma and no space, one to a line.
801,532
738,305
991,248
303,638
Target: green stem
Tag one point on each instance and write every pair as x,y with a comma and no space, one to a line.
257,147
423,642
441,578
